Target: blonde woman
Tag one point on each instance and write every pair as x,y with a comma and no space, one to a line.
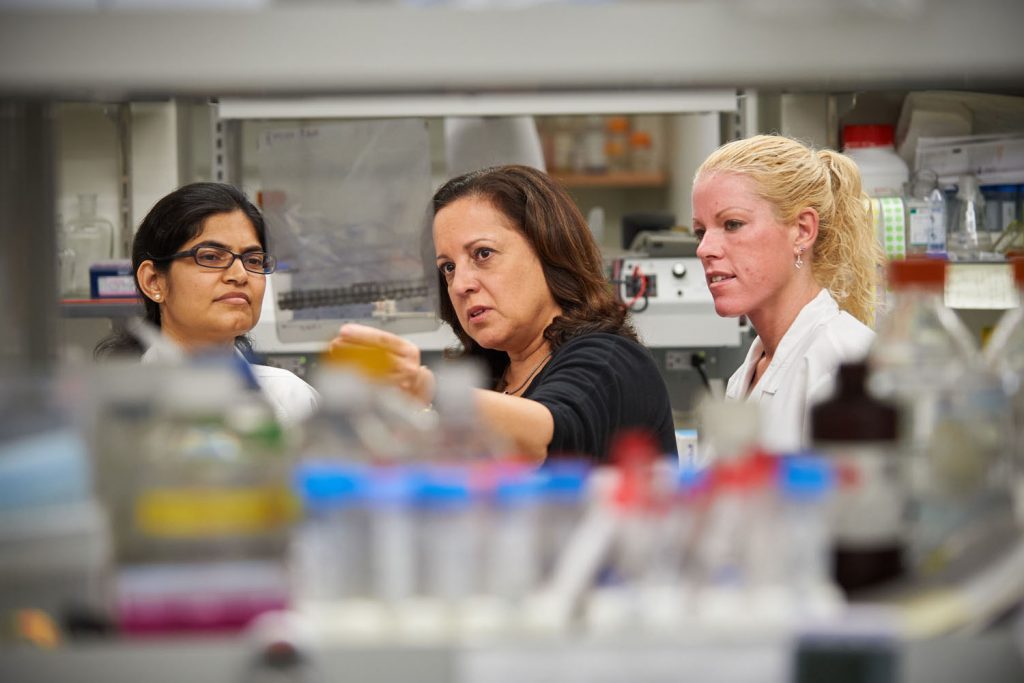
787,239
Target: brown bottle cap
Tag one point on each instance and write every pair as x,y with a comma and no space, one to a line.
1017,263
917,272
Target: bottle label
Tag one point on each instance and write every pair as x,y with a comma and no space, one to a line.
871,502
206,513
919,224
926,230
890,223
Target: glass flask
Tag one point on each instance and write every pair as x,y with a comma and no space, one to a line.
87,239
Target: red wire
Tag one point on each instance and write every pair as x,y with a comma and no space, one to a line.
643,286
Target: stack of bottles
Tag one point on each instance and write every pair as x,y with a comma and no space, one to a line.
913,212
740,548
924,432
955,425
462,550
428,551
196,481
598,144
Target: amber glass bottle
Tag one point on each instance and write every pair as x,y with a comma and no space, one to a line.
861,435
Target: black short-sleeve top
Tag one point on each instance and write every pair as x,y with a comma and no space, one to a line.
597,384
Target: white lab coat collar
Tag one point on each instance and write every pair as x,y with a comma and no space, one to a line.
821,307
162,349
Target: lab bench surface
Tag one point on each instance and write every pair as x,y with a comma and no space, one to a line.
989,657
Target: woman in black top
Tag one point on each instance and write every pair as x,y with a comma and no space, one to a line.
523,287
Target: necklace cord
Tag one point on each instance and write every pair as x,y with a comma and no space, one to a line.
528,377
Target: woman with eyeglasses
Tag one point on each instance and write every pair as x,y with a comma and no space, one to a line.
201,267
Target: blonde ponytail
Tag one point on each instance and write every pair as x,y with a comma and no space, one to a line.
847,255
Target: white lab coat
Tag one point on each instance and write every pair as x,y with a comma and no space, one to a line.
292,399
802,372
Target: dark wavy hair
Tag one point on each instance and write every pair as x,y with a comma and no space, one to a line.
173,221
545,214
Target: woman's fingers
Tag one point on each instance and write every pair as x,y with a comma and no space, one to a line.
406,372
364,335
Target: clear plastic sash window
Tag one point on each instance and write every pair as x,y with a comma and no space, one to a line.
347,205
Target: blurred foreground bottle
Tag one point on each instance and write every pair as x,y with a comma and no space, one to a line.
740,476
361,418
860,434
1005,356
462,435
956,417
210,507
54,539
922,349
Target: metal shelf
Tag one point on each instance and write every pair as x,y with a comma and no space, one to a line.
612,180
632,101
374,48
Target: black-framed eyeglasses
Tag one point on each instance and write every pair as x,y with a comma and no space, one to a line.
259,262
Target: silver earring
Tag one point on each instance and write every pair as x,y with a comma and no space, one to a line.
800,258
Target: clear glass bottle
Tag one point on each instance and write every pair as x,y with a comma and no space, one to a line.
213,475
594,158
641,152
617,144
968,238
360,418
461,435
1005,356
87,239
922,345
926,215
563,145
210,508
955,418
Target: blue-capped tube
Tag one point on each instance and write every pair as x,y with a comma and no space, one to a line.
806,484
513,559
563,495
449,534
391,499
583,552
329,548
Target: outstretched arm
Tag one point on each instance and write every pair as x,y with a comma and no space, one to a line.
527,424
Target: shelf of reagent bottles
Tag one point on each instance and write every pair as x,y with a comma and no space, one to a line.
101,308
625,180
